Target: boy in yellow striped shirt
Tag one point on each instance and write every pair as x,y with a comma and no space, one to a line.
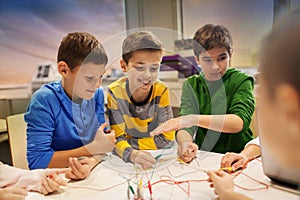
139,102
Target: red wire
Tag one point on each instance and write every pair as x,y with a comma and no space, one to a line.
150,188
170,181
266,186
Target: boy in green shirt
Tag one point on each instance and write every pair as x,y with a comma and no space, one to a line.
217,105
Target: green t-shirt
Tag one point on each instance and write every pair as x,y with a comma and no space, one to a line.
233,94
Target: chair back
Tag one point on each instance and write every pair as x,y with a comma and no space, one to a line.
16,127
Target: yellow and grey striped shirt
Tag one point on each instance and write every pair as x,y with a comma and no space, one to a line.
133,121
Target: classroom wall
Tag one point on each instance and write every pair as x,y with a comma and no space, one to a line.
24,45
161,17
13,106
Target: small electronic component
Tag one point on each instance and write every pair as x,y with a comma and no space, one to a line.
227,169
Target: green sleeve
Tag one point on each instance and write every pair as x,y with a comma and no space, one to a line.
189,104
243,103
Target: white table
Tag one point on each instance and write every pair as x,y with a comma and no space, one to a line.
107,182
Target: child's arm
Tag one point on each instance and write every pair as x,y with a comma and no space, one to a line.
240,160
42,180
101,144
9,175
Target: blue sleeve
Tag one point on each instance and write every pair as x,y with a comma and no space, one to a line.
40,121
100,105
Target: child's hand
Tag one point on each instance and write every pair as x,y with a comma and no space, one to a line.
234,160
102,143
187,151
80,168
12,193
111,136
176,124
221,181
41,180
52,181
145,159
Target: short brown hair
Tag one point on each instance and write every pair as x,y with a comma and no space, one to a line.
210,36
81,47
141,40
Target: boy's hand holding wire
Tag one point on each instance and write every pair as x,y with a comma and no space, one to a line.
144,158
187,151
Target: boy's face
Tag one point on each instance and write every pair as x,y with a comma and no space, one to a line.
86,79
279,122
214,63
142,70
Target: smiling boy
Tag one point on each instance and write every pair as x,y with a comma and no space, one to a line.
138,103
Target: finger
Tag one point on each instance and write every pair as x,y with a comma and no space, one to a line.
149,158
111,137
43,190
239,164
185,146
186,158
182,151
157,131
74,166
70,175
147,153
221,173
145,158
212,175
193,147
192,151
80,164
83,160
227,160
53,184
56,171
144,163
82,170
58,179
189,155
102,126
46,187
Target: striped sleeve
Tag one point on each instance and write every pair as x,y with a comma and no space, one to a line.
118,125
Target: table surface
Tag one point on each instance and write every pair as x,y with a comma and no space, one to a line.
108,181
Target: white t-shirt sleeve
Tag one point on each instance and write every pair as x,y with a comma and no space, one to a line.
255,141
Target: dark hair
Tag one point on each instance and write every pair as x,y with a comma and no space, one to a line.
81,47
210,36
139,41
280,53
